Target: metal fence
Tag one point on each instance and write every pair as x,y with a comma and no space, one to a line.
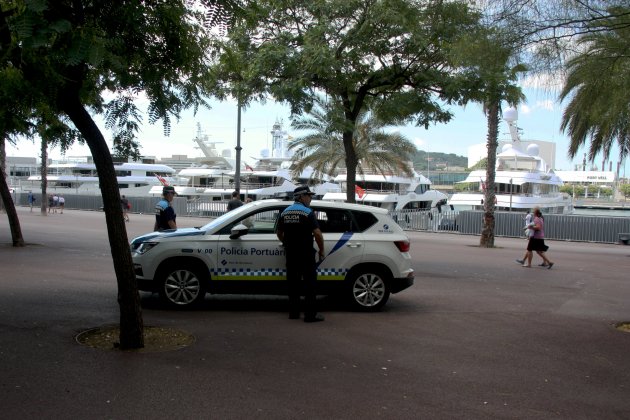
141,205
509,224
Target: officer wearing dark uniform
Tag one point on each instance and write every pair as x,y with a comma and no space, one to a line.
164,213
297,226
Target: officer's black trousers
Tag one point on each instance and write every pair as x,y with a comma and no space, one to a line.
301,278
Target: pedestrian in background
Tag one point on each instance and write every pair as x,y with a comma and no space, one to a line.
62,203
529,232
297,227
124,204
164,213
235,202
537,241
31,199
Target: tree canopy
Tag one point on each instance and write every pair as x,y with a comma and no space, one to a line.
597,87
67,53
393,55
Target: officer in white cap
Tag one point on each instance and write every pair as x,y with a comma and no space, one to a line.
296,229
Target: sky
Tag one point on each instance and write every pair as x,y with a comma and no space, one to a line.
539,117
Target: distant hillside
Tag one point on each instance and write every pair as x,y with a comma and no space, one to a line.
438,161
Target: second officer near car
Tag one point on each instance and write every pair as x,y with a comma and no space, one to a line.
296,229
164,212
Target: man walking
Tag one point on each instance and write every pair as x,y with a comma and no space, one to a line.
235,202
164,213
31,199
297,227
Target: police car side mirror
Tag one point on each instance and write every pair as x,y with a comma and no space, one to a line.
238,231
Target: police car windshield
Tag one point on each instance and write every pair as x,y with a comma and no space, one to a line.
229,215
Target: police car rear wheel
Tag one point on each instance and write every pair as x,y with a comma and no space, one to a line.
369,290
182,287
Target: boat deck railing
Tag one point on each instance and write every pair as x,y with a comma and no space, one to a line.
515,194
257,185
230,185
381,191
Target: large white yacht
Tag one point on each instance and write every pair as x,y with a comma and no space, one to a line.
390,191
523,180
269,176
212,171
134,179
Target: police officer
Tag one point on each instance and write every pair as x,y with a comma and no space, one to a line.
296,229
164,213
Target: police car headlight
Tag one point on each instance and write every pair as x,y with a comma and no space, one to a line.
144,247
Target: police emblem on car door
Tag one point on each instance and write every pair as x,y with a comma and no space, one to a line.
249,250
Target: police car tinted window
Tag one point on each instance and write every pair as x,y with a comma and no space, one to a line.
364,220
334,220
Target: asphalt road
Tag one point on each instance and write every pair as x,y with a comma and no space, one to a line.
477,336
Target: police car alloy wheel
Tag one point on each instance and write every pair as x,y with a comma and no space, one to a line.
182,286
369,290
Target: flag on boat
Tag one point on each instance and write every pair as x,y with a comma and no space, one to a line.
248,168
359,191
161,179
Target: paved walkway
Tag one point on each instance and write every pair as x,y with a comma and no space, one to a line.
477,336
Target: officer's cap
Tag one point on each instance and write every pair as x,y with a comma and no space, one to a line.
302,190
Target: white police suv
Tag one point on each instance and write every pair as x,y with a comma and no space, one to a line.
367,255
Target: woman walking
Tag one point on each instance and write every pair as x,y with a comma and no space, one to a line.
537,241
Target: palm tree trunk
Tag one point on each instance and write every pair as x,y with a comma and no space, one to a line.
487,233
131,324
9,205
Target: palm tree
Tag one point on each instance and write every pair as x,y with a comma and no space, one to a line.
322,148
489,60
598,82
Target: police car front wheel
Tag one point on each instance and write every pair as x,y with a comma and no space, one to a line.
182,286
369,289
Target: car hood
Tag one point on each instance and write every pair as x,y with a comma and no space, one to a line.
171,233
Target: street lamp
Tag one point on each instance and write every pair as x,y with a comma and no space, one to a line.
237,177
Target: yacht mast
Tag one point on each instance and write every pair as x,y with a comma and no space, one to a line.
207,147
511,116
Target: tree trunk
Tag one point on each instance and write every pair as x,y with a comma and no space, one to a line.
131,324
43,170
487,233
9,205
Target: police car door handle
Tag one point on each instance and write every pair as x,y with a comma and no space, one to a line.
353,245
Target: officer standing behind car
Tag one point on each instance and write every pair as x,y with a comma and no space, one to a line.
297,226
164,213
